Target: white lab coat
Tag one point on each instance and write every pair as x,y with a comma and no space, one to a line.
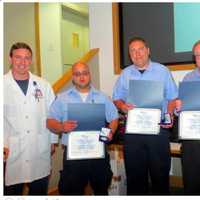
25,132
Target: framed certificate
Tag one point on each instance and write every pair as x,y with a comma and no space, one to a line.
143,121
189,125
85,145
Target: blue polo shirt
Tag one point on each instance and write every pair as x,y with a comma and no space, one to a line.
192,76
154,72
59,108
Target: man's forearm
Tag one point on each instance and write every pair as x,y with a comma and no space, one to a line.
171,106
113,125
55,126
123,106
119,104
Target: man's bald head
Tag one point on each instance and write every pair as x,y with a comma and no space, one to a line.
79,65
81,76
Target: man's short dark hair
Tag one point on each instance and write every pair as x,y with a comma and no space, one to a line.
133,39
20,45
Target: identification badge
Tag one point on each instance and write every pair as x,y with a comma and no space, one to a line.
37,93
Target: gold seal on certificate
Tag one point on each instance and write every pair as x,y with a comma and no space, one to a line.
85,145
189,125
143,121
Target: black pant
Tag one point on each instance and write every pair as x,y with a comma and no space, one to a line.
37,187
191,167
77,173
147,156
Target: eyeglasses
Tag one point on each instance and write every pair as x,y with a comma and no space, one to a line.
197,55
78,74
140,50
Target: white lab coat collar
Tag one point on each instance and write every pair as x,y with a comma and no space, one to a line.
15,86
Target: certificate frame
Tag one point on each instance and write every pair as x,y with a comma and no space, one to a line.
189,125
189,95
140,93
143,121
89,116
85,145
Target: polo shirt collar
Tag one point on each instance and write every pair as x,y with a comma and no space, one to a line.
149,68
73,90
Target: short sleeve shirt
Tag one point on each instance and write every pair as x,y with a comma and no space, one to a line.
59,108
192,76
154,72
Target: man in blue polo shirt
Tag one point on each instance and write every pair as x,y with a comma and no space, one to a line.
145,155
191,148
77,173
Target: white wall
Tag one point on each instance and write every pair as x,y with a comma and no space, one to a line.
50,41
178,75
101,36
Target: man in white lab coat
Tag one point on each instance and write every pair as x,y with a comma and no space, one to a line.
27,141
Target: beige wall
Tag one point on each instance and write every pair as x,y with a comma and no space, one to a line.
73,23
56,39
19,26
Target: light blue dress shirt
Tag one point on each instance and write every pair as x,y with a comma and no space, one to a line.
192,76
154,72
59,108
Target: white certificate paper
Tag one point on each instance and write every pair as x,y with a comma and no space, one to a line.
189,125
143,121
85,145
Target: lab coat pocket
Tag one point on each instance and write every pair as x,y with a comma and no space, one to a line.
44,145
11,113
14,149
